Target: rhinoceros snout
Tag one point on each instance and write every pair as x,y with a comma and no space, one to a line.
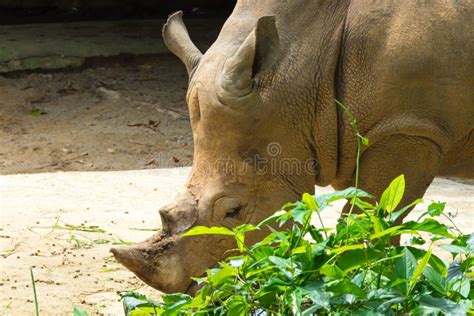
157,261
161,261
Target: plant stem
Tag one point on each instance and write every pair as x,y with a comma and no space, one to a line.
34,291
454,225
238,240
322,224
359,137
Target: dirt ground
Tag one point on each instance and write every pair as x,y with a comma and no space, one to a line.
63,224
113,114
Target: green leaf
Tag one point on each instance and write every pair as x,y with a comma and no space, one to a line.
462,286
429,225
385,306
133,300
175,298
295,301
282,263
377,223
393,195
346,287
395,215
219,275
422,310
364,141
435,262
419,269
470,242
366,312
436,280
385,232
233,263
405,267
79,311
310,202
240,239
454,271
143,311
245,228
416,240
299,250
355,259
315,292
203,230
300,214
277,215
436,209
468,305
347,248
455,249
236,305
175,303
325,200
37,112
443,305
332,271
311,311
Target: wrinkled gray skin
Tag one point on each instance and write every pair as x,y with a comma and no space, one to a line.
405,69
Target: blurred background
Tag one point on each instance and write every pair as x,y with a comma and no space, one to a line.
89,85
44,11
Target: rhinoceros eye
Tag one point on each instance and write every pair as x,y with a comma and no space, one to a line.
233,212
228,209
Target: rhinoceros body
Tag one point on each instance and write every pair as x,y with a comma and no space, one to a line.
266,126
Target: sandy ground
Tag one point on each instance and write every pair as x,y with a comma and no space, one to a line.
114,114
74,267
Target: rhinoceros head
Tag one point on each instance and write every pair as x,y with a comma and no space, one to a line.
236,175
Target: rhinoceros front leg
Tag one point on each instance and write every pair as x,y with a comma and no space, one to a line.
418,158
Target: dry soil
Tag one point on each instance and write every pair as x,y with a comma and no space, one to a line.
124,114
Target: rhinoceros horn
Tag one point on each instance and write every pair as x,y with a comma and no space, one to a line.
176,38
258,52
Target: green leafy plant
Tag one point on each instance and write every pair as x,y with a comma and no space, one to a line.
353,268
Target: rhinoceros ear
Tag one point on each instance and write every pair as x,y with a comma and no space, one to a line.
176,38
258,53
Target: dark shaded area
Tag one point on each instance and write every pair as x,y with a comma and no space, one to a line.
47,11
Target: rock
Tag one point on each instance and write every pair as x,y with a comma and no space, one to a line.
108,93
151,162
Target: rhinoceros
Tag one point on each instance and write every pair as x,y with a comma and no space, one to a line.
266,126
